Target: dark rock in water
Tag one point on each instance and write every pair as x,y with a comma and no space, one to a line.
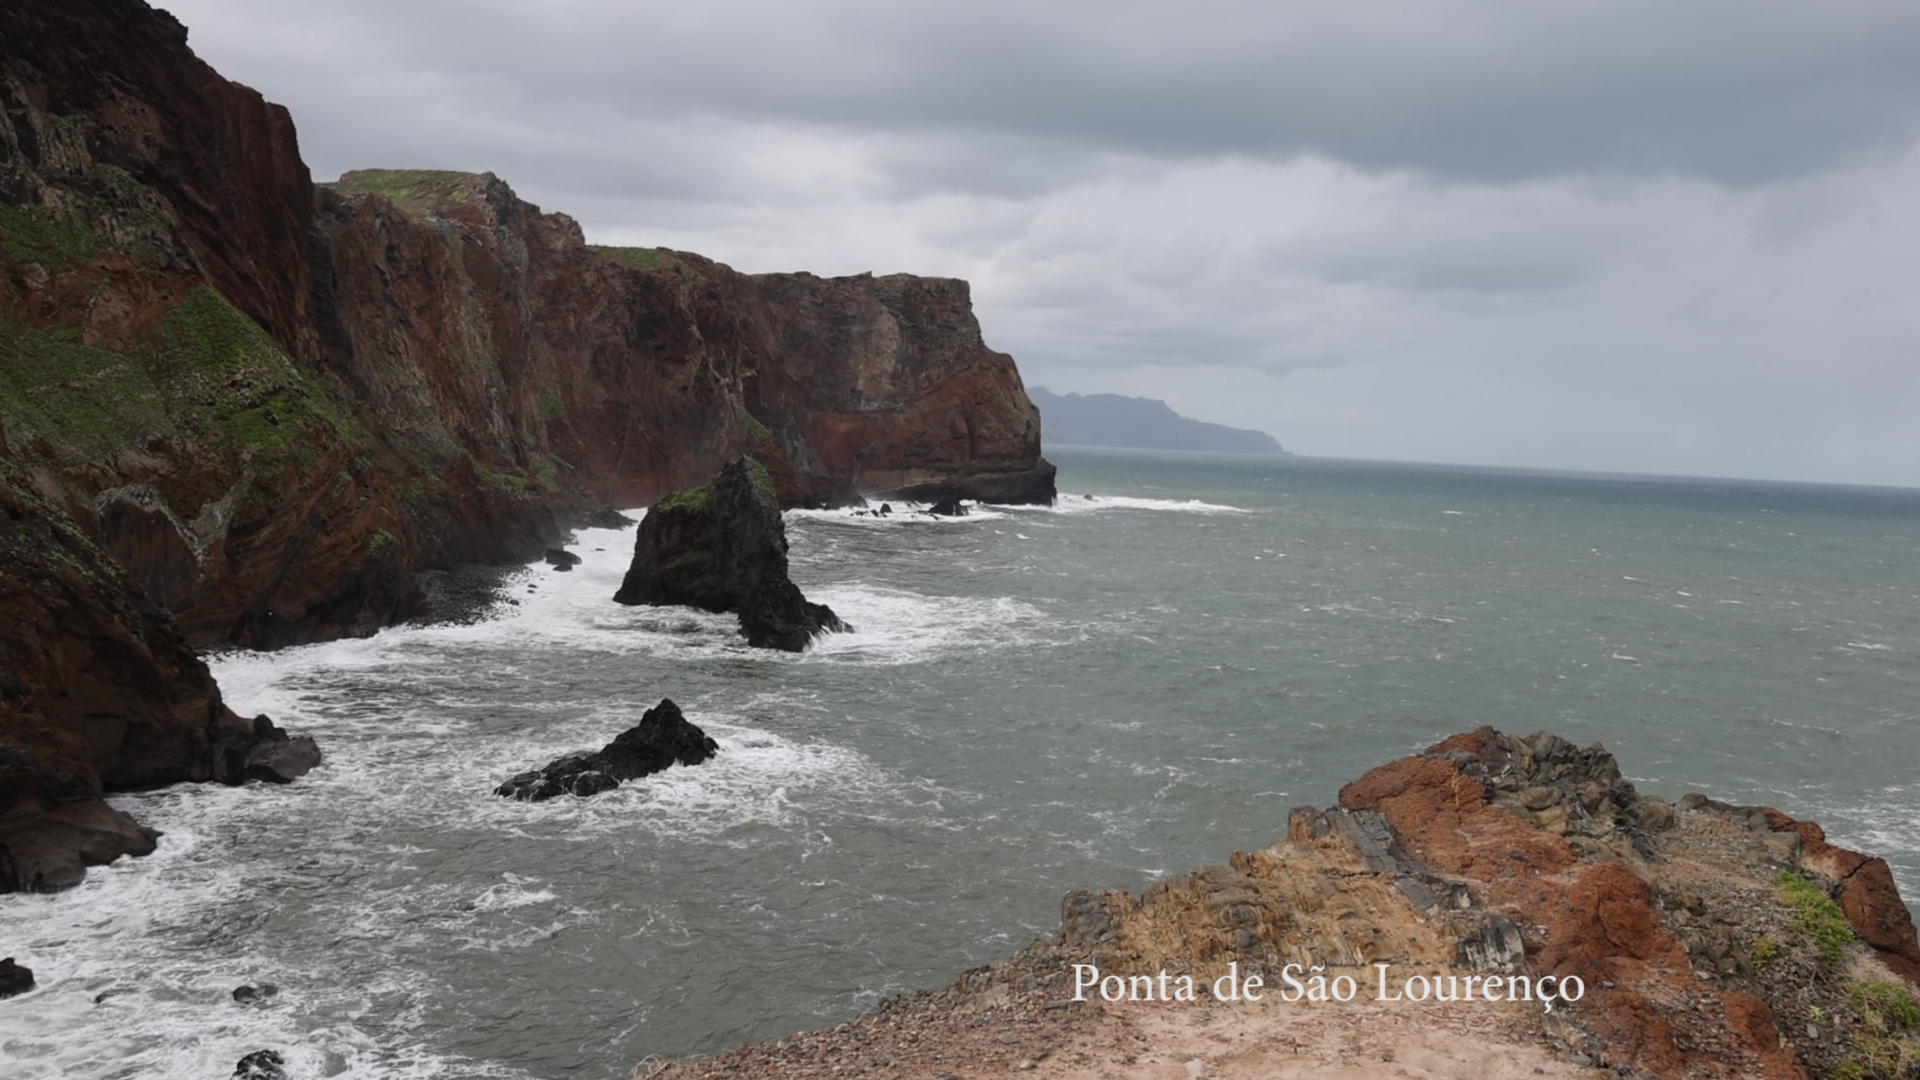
948,508
723,548
842,500
886,509
663,737
561,559
608,518
14,979
270,755
261,1065
249,992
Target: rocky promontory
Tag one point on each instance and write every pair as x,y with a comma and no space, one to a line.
1458,892
723,547
241,409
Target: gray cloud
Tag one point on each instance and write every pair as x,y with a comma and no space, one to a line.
1620,235
1737,91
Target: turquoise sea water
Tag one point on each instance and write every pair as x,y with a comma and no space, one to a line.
1141,679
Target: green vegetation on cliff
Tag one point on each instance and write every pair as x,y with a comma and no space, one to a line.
416,191
1817,915
210,376
634,258
700,499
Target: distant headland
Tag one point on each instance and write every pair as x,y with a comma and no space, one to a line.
1138,424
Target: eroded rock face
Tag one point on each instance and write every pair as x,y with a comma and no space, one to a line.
1649,902
98,691
723,548
275,405
663,737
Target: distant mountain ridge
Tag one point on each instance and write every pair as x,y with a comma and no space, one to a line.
1138,424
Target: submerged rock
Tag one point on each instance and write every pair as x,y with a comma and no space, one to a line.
663,737
723,548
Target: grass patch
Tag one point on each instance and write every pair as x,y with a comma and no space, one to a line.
210,376
417,191
757,429
634,258
35,234
1765,951
693,501
1817,915
1887,1047
551,406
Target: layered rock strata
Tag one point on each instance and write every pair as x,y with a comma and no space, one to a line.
1712,941
268,407
723,547
664,737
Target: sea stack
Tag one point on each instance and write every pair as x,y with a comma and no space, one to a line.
722,547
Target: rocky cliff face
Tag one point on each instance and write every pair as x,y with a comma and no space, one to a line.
626,373
1711,941
265,406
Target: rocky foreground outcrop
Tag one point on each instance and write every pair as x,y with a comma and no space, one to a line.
723,547
664,737
267,406
1704,940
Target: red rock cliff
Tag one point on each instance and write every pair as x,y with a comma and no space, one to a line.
243,410
634,372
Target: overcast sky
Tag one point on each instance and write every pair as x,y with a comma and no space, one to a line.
1617,235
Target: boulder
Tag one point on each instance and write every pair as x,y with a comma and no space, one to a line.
723,548
948,508
14,979
561,559
608,518
662,738
270,755
261,1065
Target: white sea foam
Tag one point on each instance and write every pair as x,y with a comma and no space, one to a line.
1097,504
905,514
895,627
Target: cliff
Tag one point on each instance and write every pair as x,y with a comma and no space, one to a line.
1677,941
469,320
253,409
1141,424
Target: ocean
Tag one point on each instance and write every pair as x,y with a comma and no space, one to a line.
1143,678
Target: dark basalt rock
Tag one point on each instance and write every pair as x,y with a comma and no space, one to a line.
663,737
723,548
561,559
14,979
948,508
261,1065
270,755
608,518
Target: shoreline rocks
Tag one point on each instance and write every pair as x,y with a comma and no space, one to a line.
1712,941
663,737
723,547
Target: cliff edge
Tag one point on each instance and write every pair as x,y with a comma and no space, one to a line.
1495,906
245,410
